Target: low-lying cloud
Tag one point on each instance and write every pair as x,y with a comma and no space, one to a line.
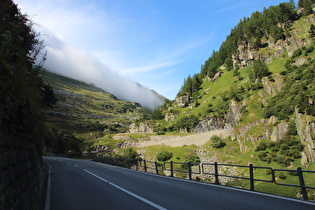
76,63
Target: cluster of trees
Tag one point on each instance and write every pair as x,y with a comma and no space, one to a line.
22,91
190,85
307,5
63,142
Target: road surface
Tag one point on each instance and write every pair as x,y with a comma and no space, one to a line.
84,184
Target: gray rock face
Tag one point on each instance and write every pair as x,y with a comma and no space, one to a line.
246,52
209,124
268,86
145,127
279,131
170,117
101,148
234,115
182,101
216,76
300,61
229,121
306,130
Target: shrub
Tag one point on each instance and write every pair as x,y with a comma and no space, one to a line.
261,147
262,156
130,153
293,173
282,176
217,142
192,158
164,156
187,122
296,53
310,49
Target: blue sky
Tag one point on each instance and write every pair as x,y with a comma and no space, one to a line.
156,43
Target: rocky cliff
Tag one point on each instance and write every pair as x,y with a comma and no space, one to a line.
247,52
230,120
306,130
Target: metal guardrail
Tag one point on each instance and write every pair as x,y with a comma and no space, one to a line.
183,166
251,173
142,164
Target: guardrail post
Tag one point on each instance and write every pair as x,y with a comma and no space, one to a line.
189,170
302,184
156,167
216,173
172,173
251,176
145,166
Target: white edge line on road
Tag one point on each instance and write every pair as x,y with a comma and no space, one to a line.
128,192
47,205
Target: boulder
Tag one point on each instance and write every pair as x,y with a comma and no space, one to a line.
182,101
279,131
170,117
216,76
145,127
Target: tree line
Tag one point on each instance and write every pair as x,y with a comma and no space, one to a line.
23,95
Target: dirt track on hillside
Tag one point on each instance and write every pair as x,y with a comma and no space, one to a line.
178,141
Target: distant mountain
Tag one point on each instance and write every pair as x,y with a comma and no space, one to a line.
81,111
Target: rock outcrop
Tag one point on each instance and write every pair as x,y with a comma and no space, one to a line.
182,101
306,130
170,117
216,76
214,123
145,127
247,52
279,131
101,148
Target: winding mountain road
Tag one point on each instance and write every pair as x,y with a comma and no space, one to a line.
84,184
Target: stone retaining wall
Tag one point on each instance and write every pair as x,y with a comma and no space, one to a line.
22,174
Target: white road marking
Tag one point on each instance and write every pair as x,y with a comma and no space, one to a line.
47,204
76,165
128,192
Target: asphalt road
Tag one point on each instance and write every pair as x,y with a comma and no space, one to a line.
83,184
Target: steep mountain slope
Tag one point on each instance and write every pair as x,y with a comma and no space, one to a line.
84,111
261,83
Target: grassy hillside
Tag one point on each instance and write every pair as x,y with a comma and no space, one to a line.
84,112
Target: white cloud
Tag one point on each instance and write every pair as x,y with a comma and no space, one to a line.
76,63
